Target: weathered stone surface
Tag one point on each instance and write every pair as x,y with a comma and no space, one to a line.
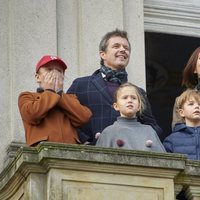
60,171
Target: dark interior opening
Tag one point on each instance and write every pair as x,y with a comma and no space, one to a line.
166,56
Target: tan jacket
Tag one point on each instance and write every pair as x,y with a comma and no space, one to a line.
48,116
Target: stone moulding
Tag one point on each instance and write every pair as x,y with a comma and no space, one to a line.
47,156
175,17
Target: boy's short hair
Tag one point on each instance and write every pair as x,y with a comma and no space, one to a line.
48,58
138,93
187,95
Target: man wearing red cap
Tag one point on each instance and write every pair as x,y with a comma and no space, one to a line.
49,114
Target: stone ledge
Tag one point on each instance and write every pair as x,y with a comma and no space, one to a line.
62,152
46,156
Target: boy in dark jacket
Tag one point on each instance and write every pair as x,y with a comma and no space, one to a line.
49,114
185,137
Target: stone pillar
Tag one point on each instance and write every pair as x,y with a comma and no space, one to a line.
134,25
5,81
28,30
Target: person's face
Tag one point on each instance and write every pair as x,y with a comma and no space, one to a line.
197,70
52,67
127,102
117,53
191,111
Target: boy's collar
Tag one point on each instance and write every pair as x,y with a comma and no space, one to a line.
40,89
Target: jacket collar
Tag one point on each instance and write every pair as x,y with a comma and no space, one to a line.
99,83
40,90
184,128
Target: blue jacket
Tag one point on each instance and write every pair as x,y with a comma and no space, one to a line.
184,140
93,93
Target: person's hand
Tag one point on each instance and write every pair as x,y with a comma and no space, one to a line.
97,135
49,81
59,81
86,143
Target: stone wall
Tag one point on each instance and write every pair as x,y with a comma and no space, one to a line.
57,171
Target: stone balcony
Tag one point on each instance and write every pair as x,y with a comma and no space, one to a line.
54,171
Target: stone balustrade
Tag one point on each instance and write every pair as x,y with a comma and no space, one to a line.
54,171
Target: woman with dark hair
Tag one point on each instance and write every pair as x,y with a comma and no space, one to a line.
191,80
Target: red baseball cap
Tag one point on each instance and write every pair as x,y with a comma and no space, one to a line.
48,58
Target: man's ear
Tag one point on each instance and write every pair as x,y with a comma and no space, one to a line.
181,112
37,77
102,54
115,106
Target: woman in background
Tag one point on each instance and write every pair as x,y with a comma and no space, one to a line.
191,80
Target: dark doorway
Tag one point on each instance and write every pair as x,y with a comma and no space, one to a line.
166,56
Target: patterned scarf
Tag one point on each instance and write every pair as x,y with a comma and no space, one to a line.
116,76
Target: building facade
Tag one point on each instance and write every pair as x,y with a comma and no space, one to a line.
73,29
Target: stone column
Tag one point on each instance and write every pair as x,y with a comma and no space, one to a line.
81,25
134,25
28,30
5,80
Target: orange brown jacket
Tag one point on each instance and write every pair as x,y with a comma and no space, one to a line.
48,116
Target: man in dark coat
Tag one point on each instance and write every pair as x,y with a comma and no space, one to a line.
96,91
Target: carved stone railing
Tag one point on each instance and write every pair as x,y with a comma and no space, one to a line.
55,171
